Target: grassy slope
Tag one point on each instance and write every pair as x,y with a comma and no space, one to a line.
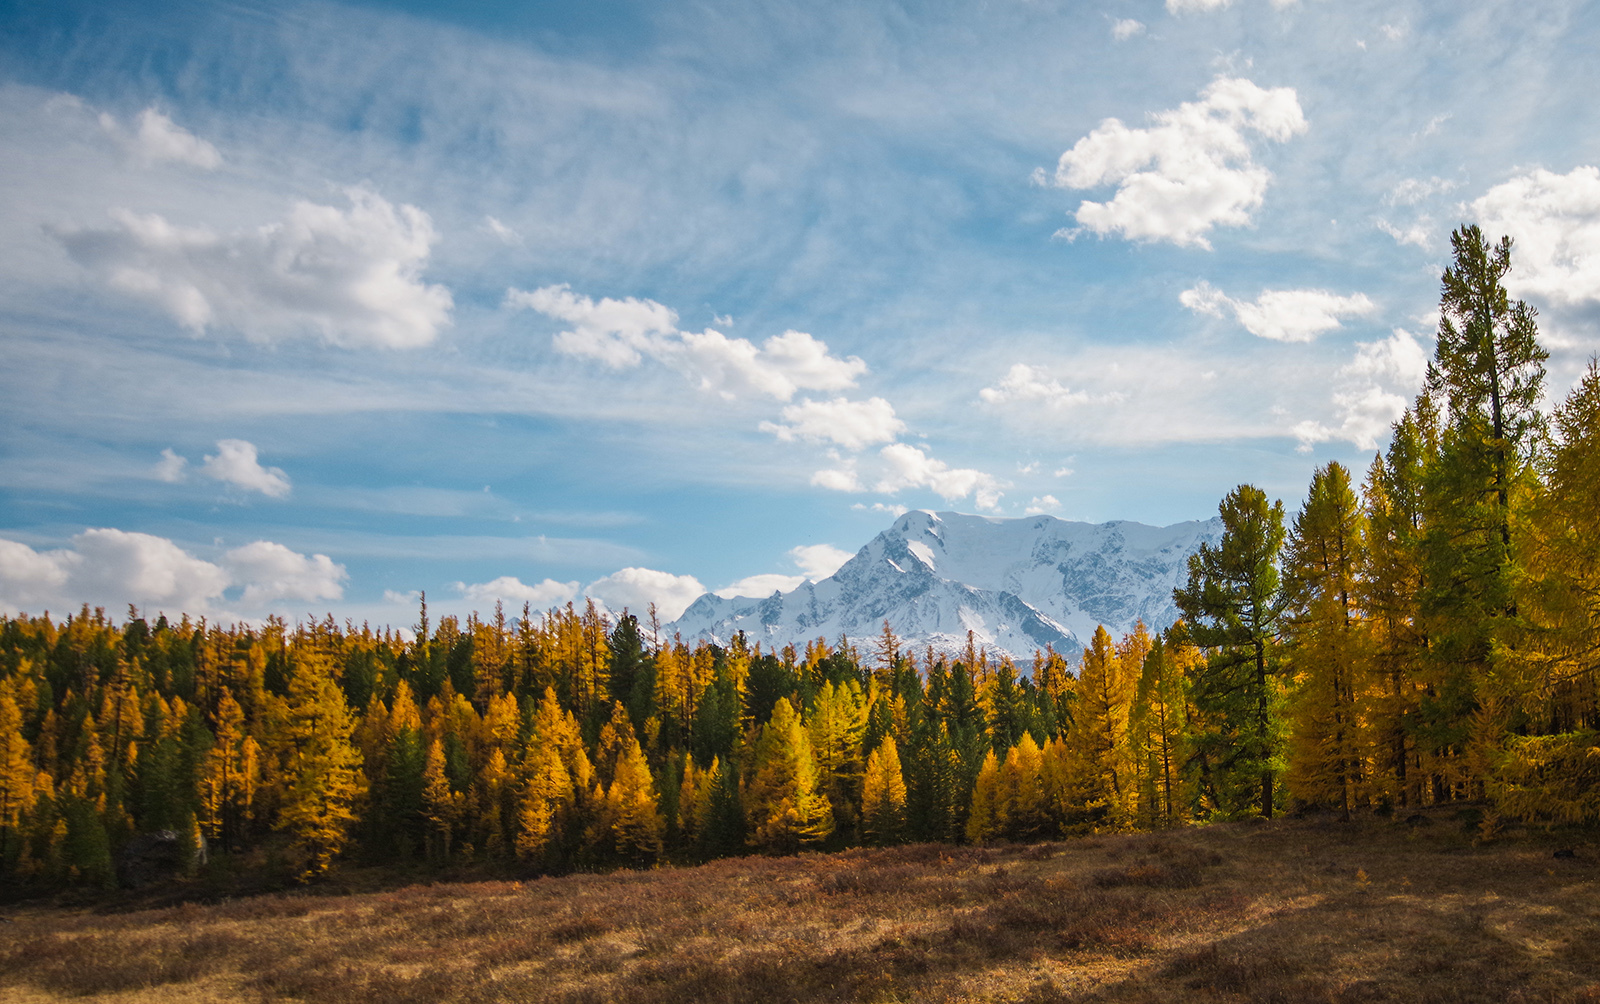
1288,911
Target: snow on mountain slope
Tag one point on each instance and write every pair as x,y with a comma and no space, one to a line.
1017,584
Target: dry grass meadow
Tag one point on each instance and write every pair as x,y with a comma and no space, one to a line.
1294,910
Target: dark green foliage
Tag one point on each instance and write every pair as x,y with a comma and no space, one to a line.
1233,608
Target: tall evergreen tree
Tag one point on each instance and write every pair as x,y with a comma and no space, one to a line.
1233,608
1488,371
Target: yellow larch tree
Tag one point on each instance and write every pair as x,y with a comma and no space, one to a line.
1021,803
982,819
322,771
229,776
883,795
782,798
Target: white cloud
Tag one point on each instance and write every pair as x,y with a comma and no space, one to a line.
892,509
621,333
1126,28
111,568
1190,171
1043,504
907,466
408,598
158,139
838,479
1419,232
1410,191
507,235
636,588
235,463
1554,220
853,425
1025,383
1063,472
351,277
1372,391
273,572
1195,6
1281,315
1148,395
818,561
514,592
170,468
757,586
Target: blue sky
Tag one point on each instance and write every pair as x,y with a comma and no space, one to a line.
306,307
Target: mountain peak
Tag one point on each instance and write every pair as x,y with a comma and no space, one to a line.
1018,584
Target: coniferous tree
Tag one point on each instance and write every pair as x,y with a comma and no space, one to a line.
883,795
1488,372
983,819
321,769
1161,730
1320,583
1233,609
783,798
1390,587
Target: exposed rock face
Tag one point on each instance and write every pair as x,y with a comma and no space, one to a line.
1017,584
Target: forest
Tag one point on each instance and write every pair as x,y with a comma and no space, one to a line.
1429,633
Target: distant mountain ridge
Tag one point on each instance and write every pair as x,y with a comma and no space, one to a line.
1017,584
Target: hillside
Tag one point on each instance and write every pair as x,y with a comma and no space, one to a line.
1296,910
1017,584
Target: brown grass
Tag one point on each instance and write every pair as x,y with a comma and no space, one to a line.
1290,911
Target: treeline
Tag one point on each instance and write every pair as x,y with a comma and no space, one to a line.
1431,636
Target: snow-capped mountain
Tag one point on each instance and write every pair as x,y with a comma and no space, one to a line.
1017,584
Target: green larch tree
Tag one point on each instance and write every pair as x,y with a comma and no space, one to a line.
1233,608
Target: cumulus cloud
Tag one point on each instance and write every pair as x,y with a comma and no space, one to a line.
818,561
635,589
622,333
1191,170
1282,315
853,425
112,567
514,592
1042,504
907,466
235,463
157,139
838,479
1025,383
1371,392
170,468
1125,28
757,586
273,572
349,276
1555,221
1195,6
